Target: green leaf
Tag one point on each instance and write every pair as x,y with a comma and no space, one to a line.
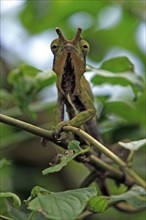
118,64
16,200
27,81
4,163
41,14
130,112
74,145
8,212
119,108
63,161
133,145
65,205
98,204
106,39
35,191
5,99
136,196
122,79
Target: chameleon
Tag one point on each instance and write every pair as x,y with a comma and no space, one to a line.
74,91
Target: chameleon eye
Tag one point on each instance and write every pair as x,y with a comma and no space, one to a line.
84,47
54,48
54,45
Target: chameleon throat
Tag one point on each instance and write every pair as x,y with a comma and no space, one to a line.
68,86
68,78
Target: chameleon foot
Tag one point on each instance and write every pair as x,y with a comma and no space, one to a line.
58,133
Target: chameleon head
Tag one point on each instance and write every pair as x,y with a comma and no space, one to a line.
76,49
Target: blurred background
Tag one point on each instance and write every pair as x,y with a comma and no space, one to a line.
112,28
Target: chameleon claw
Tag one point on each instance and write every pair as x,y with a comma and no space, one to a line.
59,135
62,136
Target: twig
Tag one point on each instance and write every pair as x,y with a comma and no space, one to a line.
113,172
49,135
96,162
93,160
89,179
27,127
137,179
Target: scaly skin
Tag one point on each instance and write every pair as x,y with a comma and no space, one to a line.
73,89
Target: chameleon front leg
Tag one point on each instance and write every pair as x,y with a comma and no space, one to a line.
80,118
77,121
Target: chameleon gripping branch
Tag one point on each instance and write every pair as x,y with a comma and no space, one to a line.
75,93
74,90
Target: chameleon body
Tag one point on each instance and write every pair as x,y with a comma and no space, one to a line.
74,91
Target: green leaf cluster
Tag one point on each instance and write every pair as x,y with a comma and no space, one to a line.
27,81
118,71
121,117
61,205
63,159
136,197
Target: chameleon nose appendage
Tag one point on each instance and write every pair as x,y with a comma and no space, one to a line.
69,47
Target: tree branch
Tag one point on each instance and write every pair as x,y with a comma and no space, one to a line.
27,127
108,153
93,160
49,135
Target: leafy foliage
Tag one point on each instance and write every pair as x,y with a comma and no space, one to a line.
16,200
118,64
98,204
9,203
27,81
63,160
121,117
121,73
61,205
136,197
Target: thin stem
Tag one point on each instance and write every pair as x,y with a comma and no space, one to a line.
97,144
83,215
96,162
2,217
89,179
27,127
32,214
49,135
113,172
108,153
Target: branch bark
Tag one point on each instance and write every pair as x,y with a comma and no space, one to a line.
49,135
124,166
27,127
